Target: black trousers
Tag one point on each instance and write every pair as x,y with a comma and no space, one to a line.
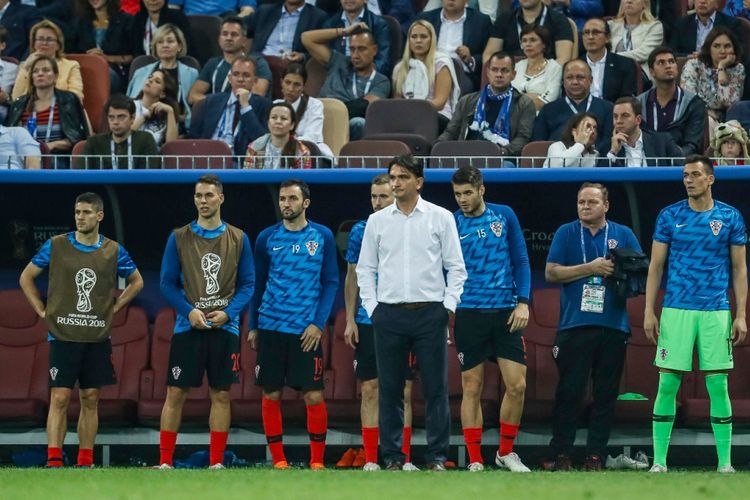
580,353
423,332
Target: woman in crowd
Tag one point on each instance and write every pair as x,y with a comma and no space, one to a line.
52,116
537,76
47,39
636,32
168,44
279,148
156,108
101,28
717,76
155,14
577,147
425,73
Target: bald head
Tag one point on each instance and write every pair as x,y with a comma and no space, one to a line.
577,79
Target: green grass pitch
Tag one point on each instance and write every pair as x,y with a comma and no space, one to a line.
261,483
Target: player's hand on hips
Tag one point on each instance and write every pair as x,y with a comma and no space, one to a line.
311,338
651,327
252,339
602,267
217,318
198,320
519,318
739,330
351,334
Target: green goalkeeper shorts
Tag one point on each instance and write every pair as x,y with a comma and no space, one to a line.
681,329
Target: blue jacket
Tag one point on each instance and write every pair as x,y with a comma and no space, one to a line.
188,76
550,121
18,20
262,22
379,28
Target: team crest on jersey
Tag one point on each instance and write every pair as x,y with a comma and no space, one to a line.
176,370
497,228
555,351
612,243
663,353
461,358
53,373
312,247
715,226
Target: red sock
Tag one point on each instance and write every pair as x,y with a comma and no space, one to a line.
85,457
406,448
54,457
508,433
271,410
370,436
473,440
167,441
317,426
218,445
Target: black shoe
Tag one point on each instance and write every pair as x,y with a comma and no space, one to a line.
563,463
593,463
436,466
394,466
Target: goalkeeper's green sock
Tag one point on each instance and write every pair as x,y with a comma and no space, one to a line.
721,416
664,411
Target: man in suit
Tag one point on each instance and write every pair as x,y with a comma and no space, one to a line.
632,146
270,26
462,33
668,108
357,11
690,31
18,19
613,76
237,117
577,97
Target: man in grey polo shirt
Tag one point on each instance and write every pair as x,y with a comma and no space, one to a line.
18,149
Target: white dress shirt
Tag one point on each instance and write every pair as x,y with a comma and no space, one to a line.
451,34
403,257
635,156
597,74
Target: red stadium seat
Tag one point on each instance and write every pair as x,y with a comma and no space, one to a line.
95,74
196,153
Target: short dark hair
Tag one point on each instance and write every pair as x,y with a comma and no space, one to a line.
634,103
708,167
213,180
234,19
502,55
380,179
245,58
704,55
468,175
595,185
302,185
540,31
567,133
295,68
410,163
92,199
362,31
661,49
119,101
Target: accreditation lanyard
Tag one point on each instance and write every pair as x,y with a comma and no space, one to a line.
226,123
367,85
540,23
116,160
676,108
572,106
596,254
213,78
49,122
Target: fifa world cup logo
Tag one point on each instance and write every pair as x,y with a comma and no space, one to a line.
85,281
211,264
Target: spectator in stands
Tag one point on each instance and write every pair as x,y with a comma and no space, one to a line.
47,39
636,32
737,8
505,34
462,34
425,73
579,11
8,73
276,28
355,81
51,115
717,76
498,113
357,11
242,8
18,149
576,97
612,74
632,146
18,18
308,110
668,108
279,148
729,144
577,145
100,28
214,76
156,108
537,76
692,30
122,147
168,44
238,117
153,15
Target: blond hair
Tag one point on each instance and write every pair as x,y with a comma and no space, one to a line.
399,76
45,24
646,15
161,33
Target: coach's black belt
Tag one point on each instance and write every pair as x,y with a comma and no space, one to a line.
412,305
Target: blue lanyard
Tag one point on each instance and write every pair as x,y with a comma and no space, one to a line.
606,247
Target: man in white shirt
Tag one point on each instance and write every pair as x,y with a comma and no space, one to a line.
18,149
405,249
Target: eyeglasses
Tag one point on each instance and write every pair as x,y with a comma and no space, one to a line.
45,40
593,32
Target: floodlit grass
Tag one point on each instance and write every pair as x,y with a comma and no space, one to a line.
251,484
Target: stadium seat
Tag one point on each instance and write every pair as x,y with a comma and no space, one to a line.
411,121
76,152
46,159
335,124
464,82
397,40
277,65
475,153
316,77
24,364
95,74
204,33
534,153
196,153
371,153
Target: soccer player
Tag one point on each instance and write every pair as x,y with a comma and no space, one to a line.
494,308
83,271
207,275
703,241
297,278
359,335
